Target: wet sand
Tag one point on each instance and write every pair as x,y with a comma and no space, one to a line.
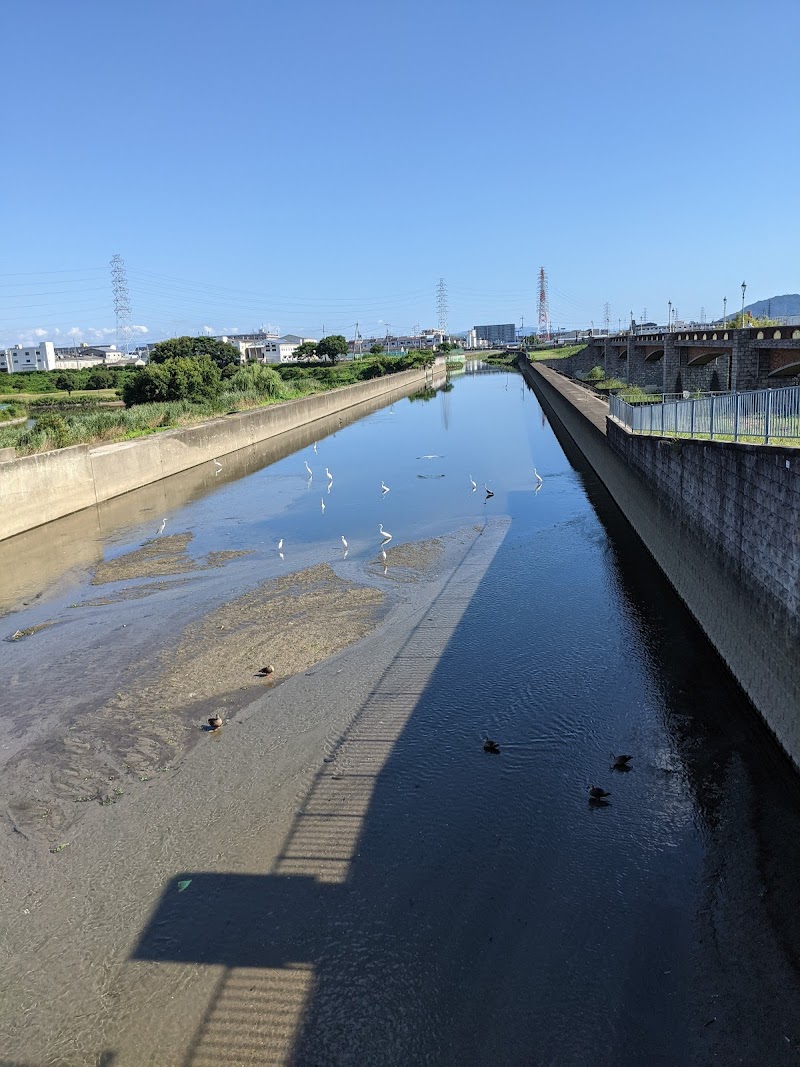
161,705
83,897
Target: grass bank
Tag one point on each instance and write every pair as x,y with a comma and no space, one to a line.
248,389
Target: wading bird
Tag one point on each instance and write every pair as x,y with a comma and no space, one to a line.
344,546
384,488
315,448
488,491
308,469
322,502
384,534
280,545
161,527
472,482
329,475
217,466
538,476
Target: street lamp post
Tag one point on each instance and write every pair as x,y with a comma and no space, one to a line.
744,289
724,312
669,316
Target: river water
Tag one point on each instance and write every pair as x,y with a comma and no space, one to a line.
494,915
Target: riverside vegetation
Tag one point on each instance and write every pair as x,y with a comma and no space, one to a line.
182,389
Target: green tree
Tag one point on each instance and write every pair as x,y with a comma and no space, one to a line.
64,382
306,350
100,378
220,352
376,349
193,378
332,348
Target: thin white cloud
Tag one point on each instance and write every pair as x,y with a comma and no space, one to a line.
209,331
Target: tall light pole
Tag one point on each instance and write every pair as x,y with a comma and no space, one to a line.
669,317
744,289
724,312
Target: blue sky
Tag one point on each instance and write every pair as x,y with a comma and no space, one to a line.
306,164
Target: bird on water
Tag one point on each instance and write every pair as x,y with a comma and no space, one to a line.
621,763
472,482
384,488
308,469
596,793
384,534
538,476
488,491
491,746
344,544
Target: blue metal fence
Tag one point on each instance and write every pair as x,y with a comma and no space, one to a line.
764,415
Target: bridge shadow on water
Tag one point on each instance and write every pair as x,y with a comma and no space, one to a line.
434,904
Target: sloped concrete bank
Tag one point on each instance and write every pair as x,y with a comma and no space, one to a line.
37,489
754,632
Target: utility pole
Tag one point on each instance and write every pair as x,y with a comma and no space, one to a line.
724,312
669,316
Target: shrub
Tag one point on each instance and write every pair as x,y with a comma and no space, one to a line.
259,379
55,428
195,379
596,374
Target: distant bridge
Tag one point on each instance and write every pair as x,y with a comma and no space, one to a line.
708,359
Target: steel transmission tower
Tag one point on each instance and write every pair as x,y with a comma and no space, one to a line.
122,303
441,305
607,317
544,312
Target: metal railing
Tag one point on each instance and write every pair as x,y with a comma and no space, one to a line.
763,416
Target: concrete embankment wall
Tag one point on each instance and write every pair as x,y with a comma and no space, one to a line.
743,502
733,561
38,489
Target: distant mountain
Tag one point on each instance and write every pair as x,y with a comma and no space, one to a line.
776,307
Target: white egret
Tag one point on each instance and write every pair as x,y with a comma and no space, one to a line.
538,476
384,488
488,491
161,527
328,475
383,554
384,534
217,466
280,545
308,469
315,448
344,543
472,482
322,502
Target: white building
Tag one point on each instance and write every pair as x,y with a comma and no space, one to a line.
19,359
